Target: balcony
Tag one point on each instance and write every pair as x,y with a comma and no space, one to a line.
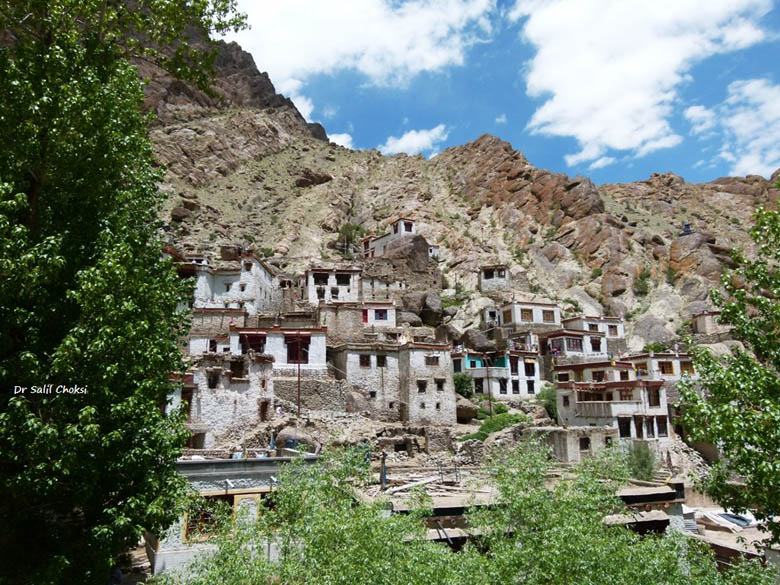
607,409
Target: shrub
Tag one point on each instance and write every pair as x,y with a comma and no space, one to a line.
655,346
641,461
672,276
596,272
463,385
547,397
642,283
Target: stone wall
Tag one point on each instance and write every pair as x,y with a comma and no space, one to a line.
430,406
322,394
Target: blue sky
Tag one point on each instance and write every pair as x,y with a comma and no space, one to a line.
611,89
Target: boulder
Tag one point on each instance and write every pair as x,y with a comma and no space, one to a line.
356,402
465,409
180,214
409,318
306,441
450,311
309,178
652,328
614,282
431,312
478,341
414,301
412,249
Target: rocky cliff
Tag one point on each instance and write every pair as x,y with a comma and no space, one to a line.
248,169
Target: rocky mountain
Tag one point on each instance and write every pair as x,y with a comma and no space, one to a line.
247,169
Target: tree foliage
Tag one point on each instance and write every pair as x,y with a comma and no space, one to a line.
739,409
535,534
86,300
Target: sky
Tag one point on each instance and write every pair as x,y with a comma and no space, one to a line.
610,89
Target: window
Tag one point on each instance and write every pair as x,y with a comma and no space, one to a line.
365,361
203,521
584,443
297,349
526,315
438,406
380,314
478,385
320,278
593,327
598,376
556,345
624,375
395,228
213,380
638,427
548,316
372,394
507,316
247,267
421,386
624,427
408,226
456,366
334,292
515,386
641,369
242,287
502,386
342,279
238,369
613,330
439,384
422,406
502,273
650,427
563,377
513,362
487,274
212,346
227,286
365,315
667,369
687,368
626,394
530,369
530,386
492,315
608,441
663,430
654,397
431,360
381,361
320,292
595,344
573,344
566,401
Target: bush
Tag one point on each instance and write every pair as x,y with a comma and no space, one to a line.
641,461
548,398
463,385
672,276
655,347
642,283
491,425
499,408
596,272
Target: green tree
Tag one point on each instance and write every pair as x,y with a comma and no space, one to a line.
549,399
86,300
463,384
641,461
536,534
739,408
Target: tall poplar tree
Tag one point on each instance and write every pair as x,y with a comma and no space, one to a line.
87,302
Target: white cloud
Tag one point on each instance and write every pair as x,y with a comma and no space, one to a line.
602,162
609,70
416,141
292,89
329,112
386,40
501,119
701,118
750,120
344,139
